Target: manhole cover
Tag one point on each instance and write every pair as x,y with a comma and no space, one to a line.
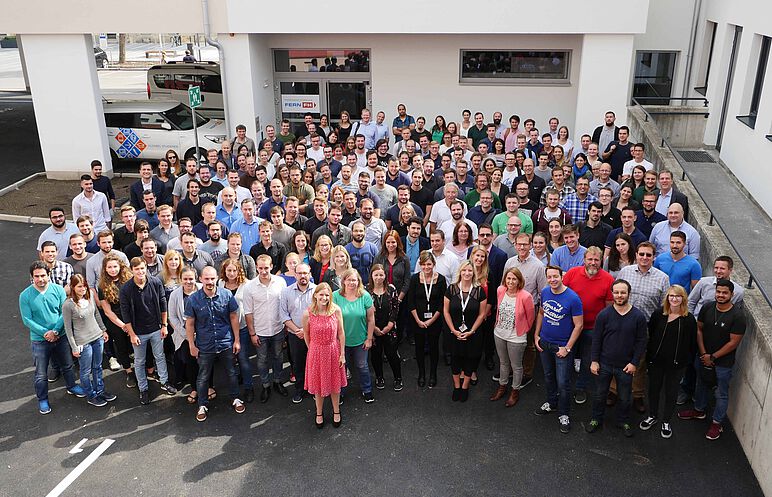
696,156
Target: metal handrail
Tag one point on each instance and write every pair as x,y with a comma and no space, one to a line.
712,221
704,100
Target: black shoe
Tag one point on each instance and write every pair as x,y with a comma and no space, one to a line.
526,381
456,395
593,426
422,381
380,383
265,394
474,381
297,398
109,397
280,389
368,396
144,397
627,429
54,375
398,385
168,389
432,381
336,424
318,424
249,395
131,380
489,364
154,376
464,396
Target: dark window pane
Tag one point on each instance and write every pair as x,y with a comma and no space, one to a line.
346,96
504,64
120,120
654,77
321,60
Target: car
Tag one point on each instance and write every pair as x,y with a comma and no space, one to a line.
142,130
171,81
101,58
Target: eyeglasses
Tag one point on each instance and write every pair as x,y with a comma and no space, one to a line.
485,234
645,254
675,296
60,216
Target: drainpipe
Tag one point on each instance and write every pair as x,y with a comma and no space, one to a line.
690,53
221,52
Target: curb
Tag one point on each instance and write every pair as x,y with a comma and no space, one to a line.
15,186
24,219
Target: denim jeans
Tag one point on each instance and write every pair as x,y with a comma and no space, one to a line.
269,355
557,376
356,358
298,353
42,352
724,376
140,354
244,365
206,362
90,361
584,379
624,393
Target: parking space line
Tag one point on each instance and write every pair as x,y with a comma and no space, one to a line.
80,468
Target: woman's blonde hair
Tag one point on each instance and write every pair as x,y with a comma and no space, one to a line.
317,255
480,276
165,274
335,251
346,275
676,290
110,289
331,307
461,266
242,276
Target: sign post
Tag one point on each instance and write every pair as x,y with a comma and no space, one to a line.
194,98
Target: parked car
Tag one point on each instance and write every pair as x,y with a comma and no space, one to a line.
101,58
170,81
146,130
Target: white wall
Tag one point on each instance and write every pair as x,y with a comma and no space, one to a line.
744,150
68,106
422,72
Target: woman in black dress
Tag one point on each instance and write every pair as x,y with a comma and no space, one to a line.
464,310
424,302
386,303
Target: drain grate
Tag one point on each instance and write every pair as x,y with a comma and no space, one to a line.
696,156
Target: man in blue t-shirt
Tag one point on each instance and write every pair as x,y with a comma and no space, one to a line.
682,269
558,327
361,251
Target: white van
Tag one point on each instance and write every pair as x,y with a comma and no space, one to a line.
146,130
171,81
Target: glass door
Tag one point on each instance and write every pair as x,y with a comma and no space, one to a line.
296,98
349,96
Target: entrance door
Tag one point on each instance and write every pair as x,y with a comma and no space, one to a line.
349,96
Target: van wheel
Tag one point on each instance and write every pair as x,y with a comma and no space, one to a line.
192,153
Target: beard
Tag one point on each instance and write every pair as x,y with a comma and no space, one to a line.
591,271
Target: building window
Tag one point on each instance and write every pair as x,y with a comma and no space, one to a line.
758,84
321,60
707,58
653,81
515,66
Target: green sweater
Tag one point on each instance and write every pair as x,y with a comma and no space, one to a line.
499,224
41,312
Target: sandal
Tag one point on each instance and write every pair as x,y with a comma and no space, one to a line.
212,394
318,424
192,397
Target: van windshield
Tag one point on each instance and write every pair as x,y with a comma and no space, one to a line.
180,116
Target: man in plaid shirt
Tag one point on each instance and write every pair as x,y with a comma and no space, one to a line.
578,202
60,271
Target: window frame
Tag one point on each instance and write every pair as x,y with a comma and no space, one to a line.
765,48
515,81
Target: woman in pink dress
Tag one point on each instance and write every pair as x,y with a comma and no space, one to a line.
326,360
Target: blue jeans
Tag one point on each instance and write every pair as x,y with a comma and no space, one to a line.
90,361
624,393
557,376
724,376
584,379
269,355
206,362
244,364
140,353
42,352
356,358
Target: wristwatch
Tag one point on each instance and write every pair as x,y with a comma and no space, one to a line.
568,349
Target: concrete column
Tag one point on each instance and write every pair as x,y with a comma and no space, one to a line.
605,71
67,100
23,62
248,82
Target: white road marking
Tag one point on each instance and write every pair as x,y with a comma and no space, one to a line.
80,468
77,448
261,422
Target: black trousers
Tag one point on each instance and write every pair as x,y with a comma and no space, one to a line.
668,379
430,335
298,352
386,344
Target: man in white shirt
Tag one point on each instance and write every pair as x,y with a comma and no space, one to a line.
261,310
445,262
456,217
440,211
637,151
366,128
92,203
233,182
316,151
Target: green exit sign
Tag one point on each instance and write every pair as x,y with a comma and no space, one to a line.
194,96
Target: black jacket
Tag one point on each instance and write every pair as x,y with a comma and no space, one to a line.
671,344
599,130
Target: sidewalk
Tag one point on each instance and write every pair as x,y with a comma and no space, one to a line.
745,224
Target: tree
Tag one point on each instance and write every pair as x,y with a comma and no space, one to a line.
122,48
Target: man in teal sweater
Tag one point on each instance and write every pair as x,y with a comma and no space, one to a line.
41,311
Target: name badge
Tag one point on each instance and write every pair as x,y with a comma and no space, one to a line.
427,315
462,328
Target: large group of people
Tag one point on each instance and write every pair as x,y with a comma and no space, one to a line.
476,243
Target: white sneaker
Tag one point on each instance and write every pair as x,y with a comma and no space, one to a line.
666,432
577,364
114,364
648,423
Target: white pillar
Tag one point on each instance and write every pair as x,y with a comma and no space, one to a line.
248,82
67,100
605,72
23,62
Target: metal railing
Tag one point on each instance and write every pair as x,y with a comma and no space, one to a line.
712,221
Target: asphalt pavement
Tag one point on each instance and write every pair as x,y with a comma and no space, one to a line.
414,442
